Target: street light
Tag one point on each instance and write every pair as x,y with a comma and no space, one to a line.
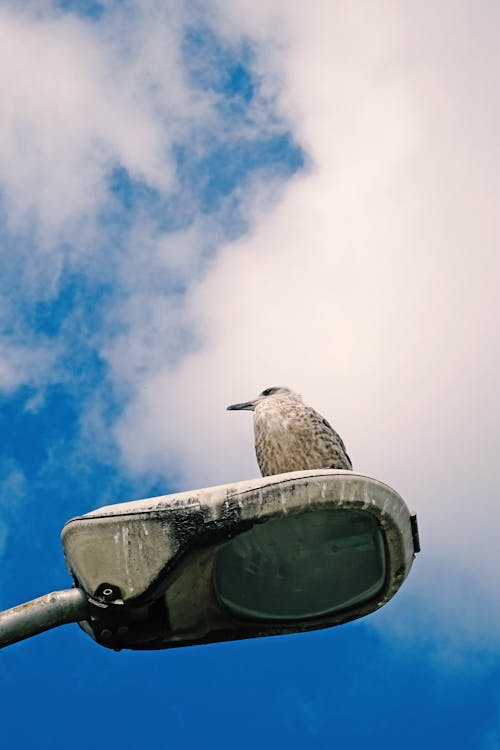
279,554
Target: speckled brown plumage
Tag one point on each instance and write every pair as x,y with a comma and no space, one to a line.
291,436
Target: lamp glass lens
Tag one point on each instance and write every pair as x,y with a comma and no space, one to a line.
302,566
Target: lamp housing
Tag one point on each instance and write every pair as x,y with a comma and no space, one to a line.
278,554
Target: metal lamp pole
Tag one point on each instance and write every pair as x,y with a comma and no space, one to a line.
44,613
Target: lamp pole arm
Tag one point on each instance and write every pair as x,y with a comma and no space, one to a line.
46,612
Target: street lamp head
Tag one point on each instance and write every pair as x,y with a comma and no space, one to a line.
280,554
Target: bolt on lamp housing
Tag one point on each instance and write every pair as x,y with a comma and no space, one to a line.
280,554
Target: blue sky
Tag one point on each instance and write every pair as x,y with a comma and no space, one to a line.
200,200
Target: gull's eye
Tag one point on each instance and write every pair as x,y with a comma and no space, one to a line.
268,391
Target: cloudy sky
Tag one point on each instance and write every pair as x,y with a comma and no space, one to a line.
202,199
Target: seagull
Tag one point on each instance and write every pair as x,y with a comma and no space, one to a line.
291,436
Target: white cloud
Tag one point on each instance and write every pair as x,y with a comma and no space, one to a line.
25,358
371,287
12,493
22,364
79,98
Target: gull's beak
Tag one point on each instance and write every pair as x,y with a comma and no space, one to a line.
246,405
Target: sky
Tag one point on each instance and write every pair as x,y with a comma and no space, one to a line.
199,200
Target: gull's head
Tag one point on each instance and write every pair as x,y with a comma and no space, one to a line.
274,393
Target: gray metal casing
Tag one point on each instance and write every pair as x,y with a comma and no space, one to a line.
147,566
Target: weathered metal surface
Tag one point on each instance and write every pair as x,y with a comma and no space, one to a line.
44,613
155,557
